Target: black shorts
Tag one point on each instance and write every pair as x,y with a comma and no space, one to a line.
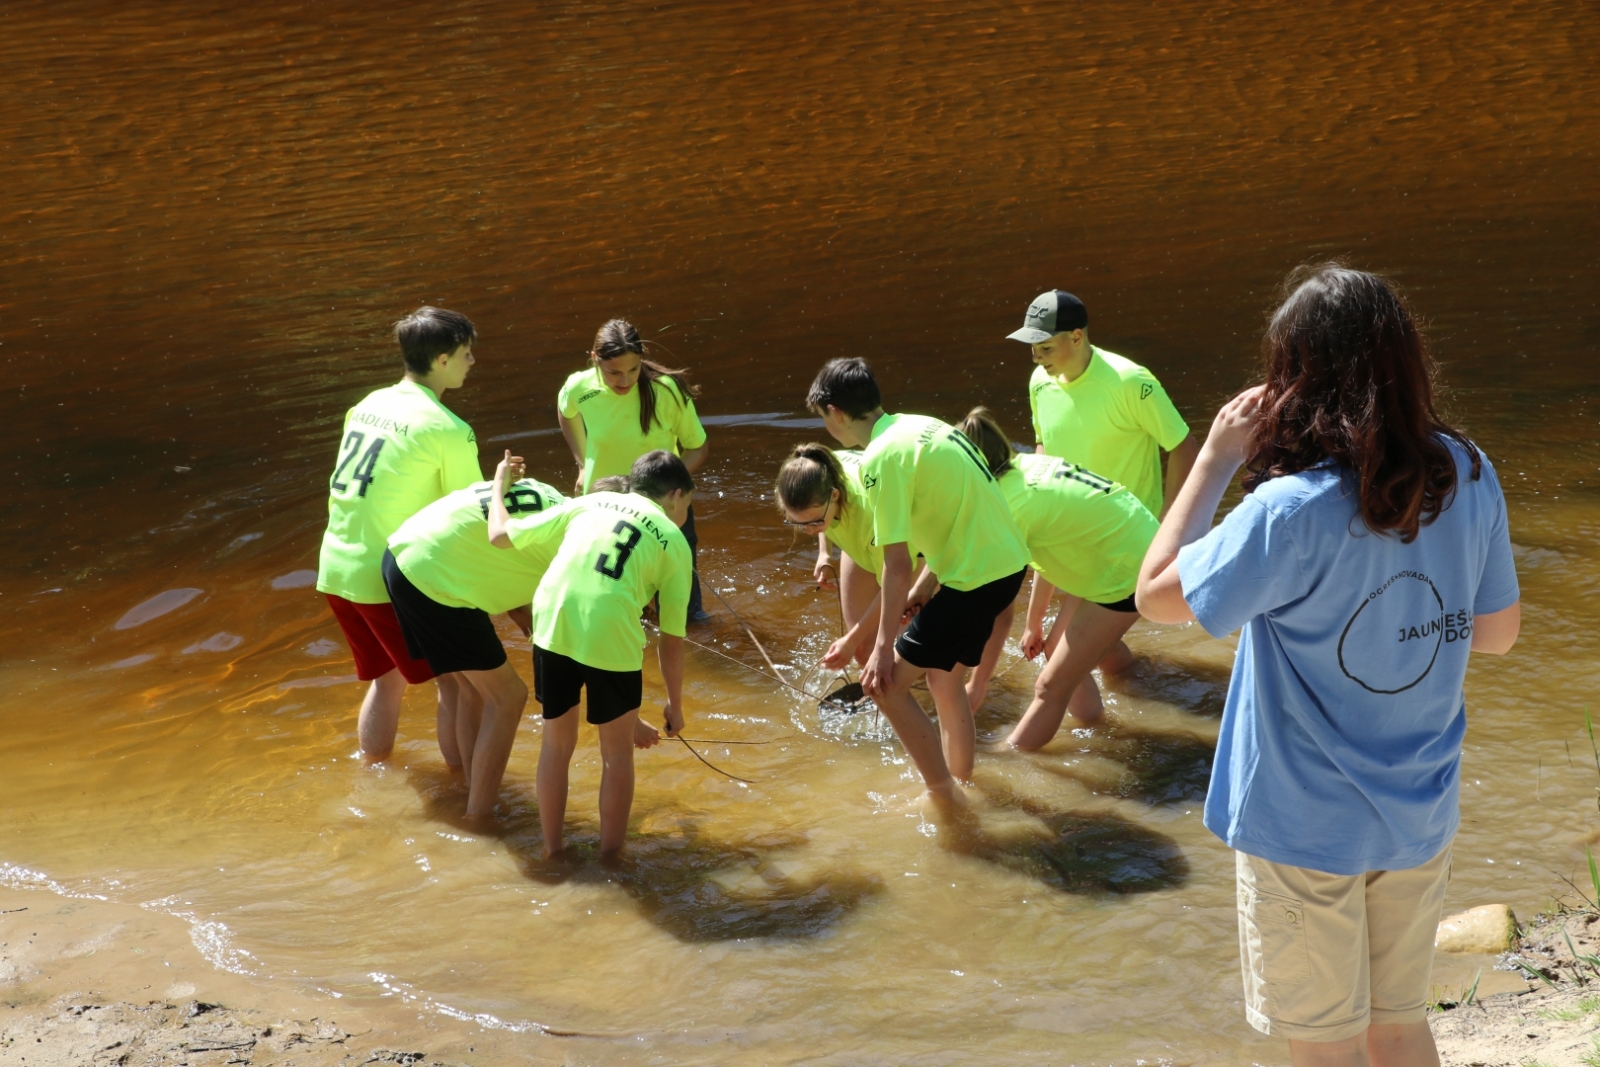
1125,604
558,680
450,639
954,626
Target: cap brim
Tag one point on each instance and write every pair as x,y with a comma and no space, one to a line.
1029,336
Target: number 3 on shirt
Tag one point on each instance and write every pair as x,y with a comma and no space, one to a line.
363,471
624,550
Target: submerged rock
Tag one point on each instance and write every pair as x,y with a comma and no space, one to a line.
1491,928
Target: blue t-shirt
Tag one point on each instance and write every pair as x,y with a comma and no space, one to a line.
1340,747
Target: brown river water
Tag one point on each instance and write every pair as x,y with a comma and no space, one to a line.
213,212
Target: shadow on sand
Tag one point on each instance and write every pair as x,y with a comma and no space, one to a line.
694,886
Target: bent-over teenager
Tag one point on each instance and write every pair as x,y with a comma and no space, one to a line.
445,580
1369,556
1087,536
926,483
614,552
401,448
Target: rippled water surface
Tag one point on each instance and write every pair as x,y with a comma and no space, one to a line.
212,213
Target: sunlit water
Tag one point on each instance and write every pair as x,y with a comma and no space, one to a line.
211,217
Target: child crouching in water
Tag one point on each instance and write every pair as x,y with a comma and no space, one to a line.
616,552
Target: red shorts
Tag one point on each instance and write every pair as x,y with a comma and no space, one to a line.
373,633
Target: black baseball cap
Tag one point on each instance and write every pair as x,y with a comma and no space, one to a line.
1057,311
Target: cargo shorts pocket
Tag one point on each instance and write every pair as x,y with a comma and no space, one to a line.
1281,924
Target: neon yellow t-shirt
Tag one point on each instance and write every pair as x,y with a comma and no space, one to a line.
1114,419
444,549
401,449
613,552
851,529
612,440
928,485
1087,534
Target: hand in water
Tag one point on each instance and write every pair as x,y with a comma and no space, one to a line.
645,735
672,715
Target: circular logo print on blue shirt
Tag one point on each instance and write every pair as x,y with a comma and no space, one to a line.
1391,641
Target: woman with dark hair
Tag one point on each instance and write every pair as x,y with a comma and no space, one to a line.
1369,555
623,406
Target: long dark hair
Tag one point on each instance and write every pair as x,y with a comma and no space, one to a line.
984,430
809,477
1348,377
618,336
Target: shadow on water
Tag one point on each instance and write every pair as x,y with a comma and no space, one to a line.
1144,765
696,887
1197,687
1076,852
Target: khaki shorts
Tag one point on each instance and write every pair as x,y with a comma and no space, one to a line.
1326,955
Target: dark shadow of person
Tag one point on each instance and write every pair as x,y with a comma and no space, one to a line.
1145,765
1078,852
696,887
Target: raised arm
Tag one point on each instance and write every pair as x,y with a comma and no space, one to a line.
1160,592
509,470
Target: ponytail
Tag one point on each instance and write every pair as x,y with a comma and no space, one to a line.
809,478
618,336
983,429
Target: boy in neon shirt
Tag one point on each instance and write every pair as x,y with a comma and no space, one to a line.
401,449
1105,413
925,482
614,552
445,580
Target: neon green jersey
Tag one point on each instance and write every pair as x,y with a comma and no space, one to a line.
613,552
401,449
1087,534
928,485
1114,419
444,549
612,440
851,529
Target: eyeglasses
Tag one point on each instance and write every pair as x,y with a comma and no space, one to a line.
819,521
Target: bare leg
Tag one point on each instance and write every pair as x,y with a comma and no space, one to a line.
469,720
504,697
1401,1045
449,687
380,716
1119,659
1090,633
917,733
560,740
957,734
616,780
1351,1052
978,684
857,588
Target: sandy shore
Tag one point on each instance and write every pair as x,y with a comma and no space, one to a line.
90,982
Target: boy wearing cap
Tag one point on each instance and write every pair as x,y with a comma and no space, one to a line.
400,450
1094,408
925,482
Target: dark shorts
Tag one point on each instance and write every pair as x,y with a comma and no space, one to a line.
450,639
954,626
558,680
1125,604
376,641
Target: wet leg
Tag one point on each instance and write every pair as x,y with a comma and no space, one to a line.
917,733
616,780
504,696
978,684
449,688
380,716
1090,633
555,755
469,720
958,737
